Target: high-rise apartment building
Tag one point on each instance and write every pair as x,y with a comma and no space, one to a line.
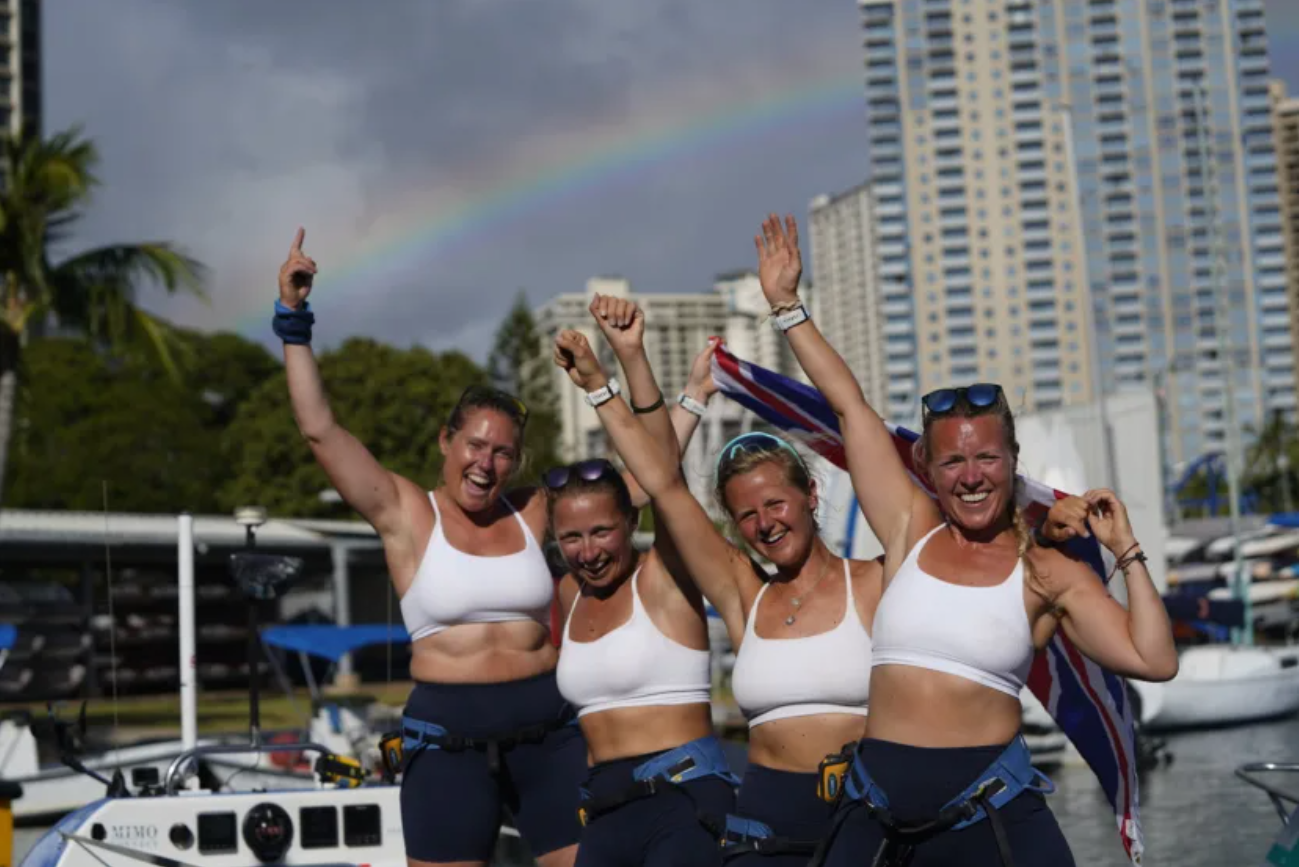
980,239
853,316
1119,149
20,65
677,327
1285,127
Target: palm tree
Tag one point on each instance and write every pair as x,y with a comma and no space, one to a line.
43,185
1271,460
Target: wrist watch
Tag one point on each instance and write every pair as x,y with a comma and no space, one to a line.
790,318
604,394
690,405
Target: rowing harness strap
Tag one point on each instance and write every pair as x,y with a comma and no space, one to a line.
1005,779
743,836
665,772
420,735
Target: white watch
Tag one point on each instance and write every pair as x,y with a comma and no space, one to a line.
690,405
604,394
790,318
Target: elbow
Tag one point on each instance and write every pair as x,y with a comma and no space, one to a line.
316,433
1159,670
664,482
1167,669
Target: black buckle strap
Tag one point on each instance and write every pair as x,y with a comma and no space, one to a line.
493,747
768,846
898,848
593,808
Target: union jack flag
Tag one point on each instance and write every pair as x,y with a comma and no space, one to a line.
1089,704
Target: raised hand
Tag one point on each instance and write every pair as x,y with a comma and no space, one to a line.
1067,520
779,263
699,384
621,321
296,273
1108,519
573,354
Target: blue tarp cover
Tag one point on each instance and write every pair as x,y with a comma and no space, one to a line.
331,642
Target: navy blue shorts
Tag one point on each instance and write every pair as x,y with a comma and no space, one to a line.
919,781
662,830
452,805
787,803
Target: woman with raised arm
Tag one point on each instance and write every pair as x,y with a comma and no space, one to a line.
968,599
485,726
802,634
634,659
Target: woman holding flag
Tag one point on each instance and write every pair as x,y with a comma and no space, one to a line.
968,599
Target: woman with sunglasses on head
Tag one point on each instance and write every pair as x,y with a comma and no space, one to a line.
634,657
802,634
485,726
968,599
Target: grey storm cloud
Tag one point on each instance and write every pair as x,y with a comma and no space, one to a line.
225,125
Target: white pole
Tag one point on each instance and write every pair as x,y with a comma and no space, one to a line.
188,674
342,609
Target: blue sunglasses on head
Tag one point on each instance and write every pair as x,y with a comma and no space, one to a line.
754,441
981,395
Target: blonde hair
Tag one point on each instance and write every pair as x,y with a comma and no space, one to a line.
767,449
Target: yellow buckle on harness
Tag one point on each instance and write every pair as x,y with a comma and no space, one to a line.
343,770
392,753
832,771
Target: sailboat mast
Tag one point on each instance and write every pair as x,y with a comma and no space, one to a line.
1226,362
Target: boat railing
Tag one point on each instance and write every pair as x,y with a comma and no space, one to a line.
171,782
1280,797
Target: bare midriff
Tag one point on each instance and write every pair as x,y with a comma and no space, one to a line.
800,743
635,731
484,653
924,708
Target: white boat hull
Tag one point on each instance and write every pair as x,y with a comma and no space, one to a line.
324,827
1223,686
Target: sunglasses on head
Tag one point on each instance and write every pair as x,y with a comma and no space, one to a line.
981,395
754,441
480,395
557,478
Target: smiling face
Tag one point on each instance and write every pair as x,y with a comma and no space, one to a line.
479,457
776,516
971,463
594,534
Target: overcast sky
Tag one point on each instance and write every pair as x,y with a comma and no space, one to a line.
223,125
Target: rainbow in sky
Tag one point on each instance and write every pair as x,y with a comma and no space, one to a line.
434,231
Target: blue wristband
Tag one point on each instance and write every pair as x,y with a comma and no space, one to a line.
293,326
280,308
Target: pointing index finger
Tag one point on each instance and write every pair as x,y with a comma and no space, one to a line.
297,240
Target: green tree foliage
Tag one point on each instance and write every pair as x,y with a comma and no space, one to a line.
520,364
46,184
1271,463
85,420
395,401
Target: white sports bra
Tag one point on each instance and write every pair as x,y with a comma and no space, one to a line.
780,678
452,587
634,665
978,633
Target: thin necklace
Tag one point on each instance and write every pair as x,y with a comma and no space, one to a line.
797,601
